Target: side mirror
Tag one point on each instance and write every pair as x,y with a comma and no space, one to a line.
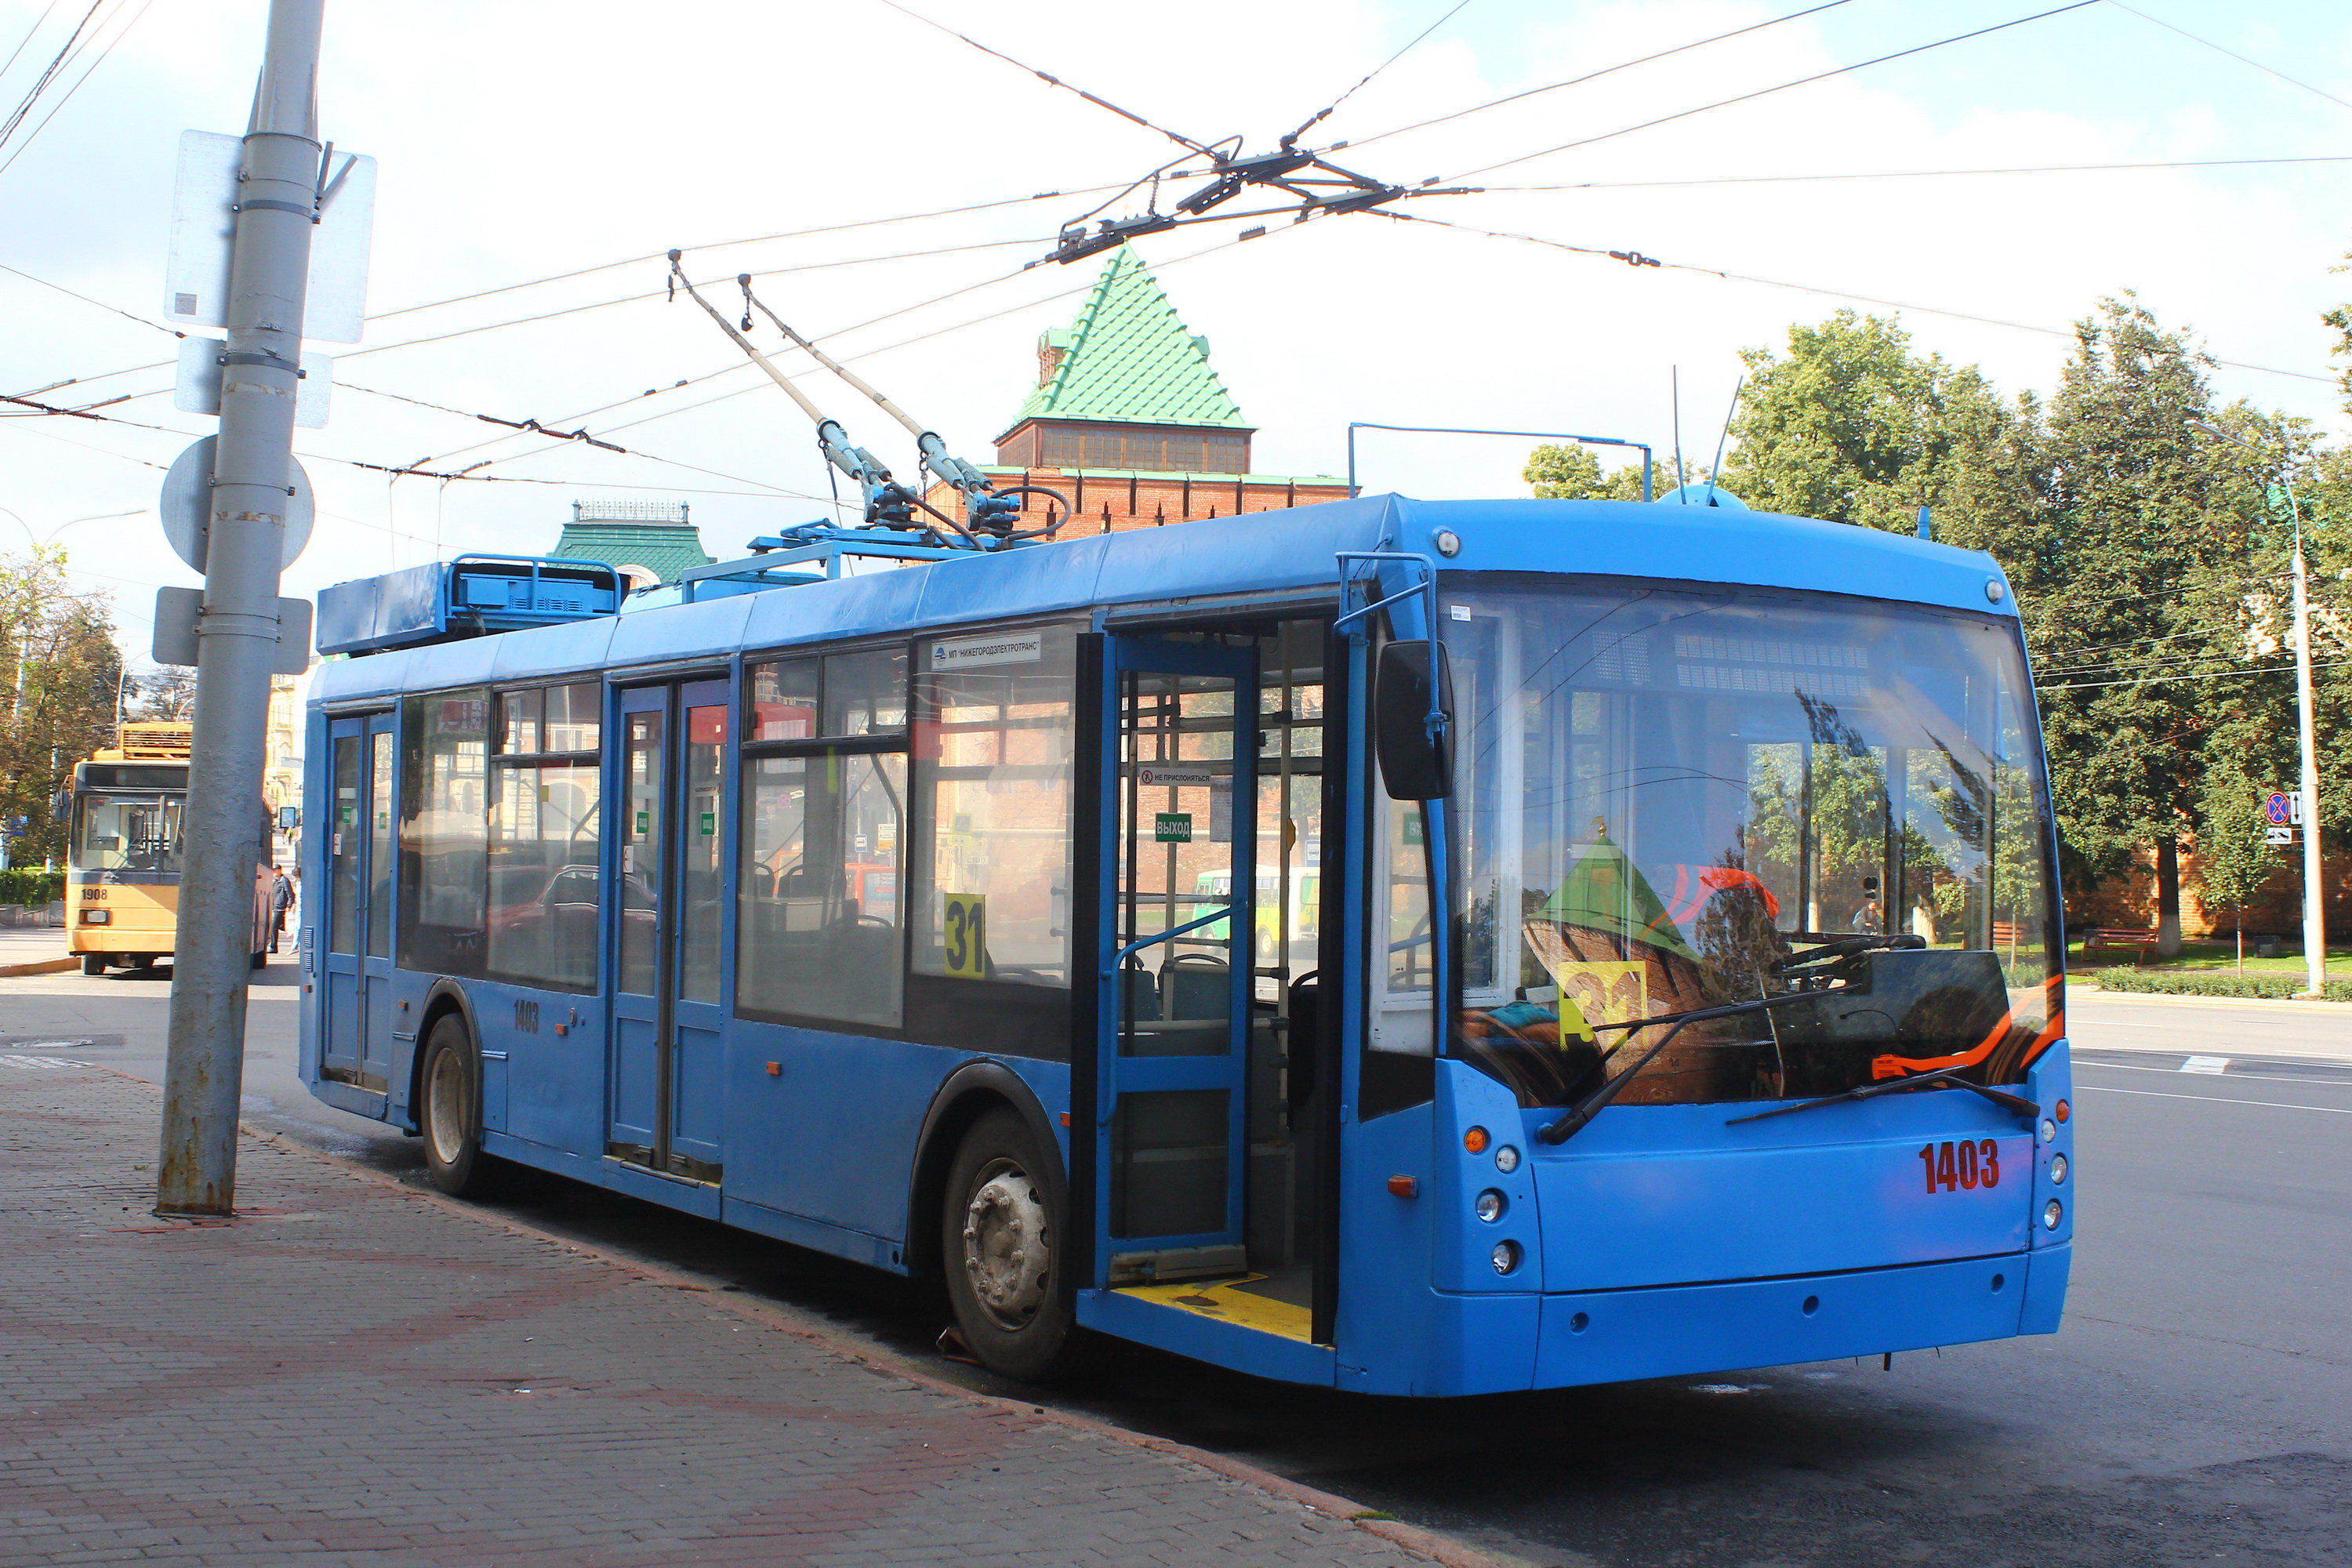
1415,764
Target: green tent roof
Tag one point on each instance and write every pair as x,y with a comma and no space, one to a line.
668,548
1128,360
1605,891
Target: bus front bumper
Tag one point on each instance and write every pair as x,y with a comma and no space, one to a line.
1612,1336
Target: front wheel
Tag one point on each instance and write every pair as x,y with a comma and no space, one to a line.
999,1235
450,1115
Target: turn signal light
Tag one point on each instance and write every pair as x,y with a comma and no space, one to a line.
1405,1187
2064,1111
1476,1139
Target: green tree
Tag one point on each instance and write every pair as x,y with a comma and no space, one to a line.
1572,472
1853,427
60,665
2234,861
2133,584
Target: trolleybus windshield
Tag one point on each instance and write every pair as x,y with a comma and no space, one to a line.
130,831
1670,797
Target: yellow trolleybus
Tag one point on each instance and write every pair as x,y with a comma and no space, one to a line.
122,870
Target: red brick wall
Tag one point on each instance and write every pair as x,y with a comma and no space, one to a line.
2130,900
1115,505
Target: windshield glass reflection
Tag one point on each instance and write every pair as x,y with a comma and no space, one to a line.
1671,799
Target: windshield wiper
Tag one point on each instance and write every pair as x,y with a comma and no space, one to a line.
1591,1105
1848,947
2016,1102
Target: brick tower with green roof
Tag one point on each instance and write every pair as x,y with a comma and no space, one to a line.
1130,419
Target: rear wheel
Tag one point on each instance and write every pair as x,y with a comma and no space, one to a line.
93,964
450,1114
999,1237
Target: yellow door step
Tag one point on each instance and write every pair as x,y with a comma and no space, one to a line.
1231,1300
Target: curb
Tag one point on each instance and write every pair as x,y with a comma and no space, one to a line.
46,966
784,1319
2263,1003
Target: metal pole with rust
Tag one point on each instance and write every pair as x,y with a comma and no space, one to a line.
276,203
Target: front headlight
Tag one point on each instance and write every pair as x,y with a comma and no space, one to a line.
2057,1168
1506,1257
2052,1213
97,917
1488,1205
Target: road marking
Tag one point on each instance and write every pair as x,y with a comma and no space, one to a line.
2240,1076
36,1062
2206,1065
2216,1100
2119,1023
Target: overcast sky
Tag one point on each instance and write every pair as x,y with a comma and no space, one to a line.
521,141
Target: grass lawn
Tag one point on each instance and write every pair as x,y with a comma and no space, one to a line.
2196,955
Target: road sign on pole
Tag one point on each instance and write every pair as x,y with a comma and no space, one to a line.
186,506
2278,809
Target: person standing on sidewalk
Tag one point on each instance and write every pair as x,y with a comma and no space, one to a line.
281,900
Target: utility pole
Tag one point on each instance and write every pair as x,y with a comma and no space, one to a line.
2315,892
2314,905
277,201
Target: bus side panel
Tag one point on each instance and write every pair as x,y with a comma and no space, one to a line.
1386,1306
548,1085
823,1125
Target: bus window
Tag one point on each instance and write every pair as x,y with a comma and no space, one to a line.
343,850
380,862
443,832
991,801
546,839
819,924
817,929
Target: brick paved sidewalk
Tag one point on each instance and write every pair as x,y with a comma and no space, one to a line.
353,1373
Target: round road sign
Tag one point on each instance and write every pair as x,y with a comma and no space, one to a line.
187,507
2275,808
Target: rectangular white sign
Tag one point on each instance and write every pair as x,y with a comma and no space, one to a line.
975,653
1151,775
203,224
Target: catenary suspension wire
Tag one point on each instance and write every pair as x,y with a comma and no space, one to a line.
2242,60
729,244
30,33
1909,175
1605,70
1782,87
1637,258
34,135
1181,140
1325,113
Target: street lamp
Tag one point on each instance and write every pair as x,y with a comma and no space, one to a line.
2315,911
45,538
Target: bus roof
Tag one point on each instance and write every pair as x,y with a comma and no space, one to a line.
1256,554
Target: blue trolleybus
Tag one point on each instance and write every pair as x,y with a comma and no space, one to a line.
1415,948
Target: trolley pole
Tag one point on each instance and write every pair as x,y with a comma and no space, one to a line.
237,632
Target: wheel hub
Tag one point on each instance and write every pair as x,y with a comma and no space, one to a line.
443,1107
1006,1250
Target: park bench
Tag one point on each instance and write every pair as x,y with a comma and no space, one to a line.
2120,936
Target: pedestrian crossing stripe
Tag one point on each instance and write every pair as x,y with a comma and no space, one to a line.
37,1062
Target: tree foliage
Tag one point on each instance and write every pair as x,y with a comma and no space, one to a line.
2149,558
60,668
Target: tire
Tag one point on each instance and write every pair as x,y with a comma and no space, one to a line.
450,1113
998,1229
260,960
93,964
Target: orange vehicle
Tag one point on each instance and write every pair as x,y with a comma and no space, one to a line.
122,862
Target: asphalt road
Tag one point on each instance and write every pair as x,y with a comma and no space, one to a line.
2195,1408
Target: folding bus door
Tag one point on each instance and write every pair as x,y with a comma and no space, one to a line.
666,1082
1173,962
356,974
